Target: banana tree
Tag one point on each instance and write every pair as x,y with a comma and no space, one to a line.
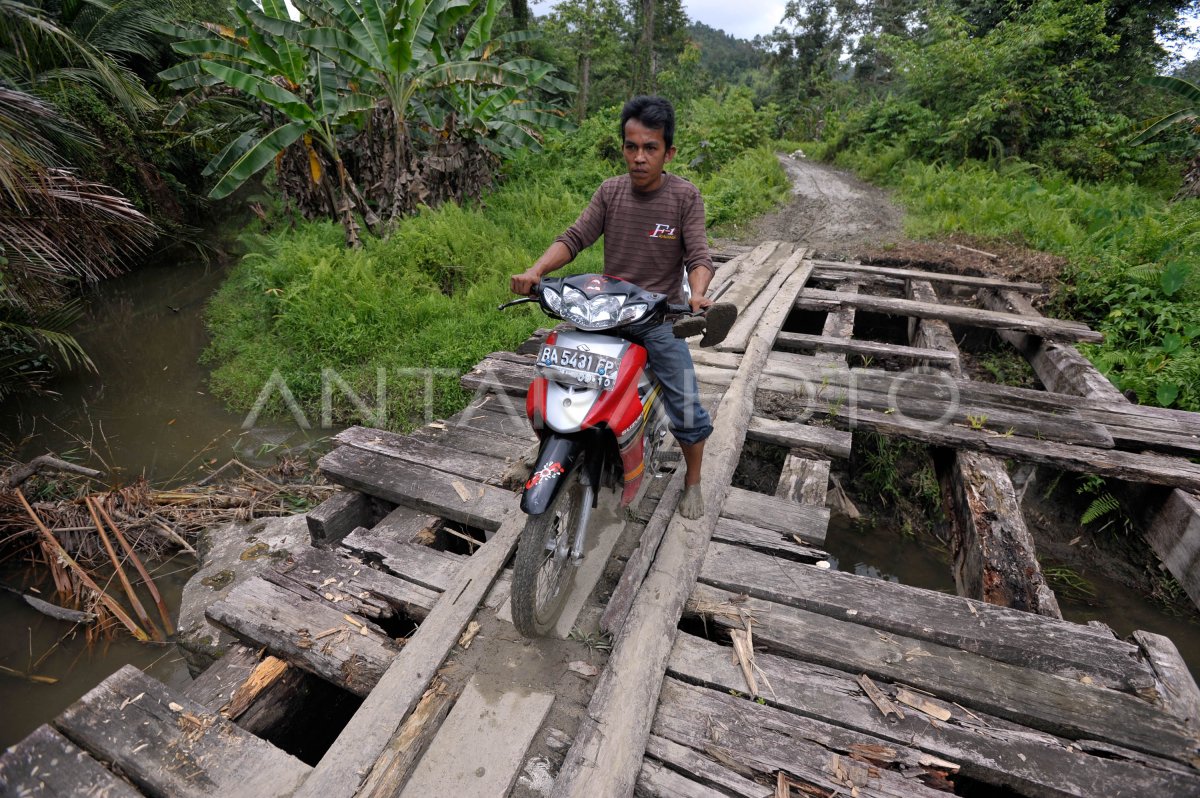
404,52
1188,116
306,96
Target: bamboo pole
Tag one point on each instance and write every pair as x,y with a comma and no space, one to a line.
141,569
130,593
108,601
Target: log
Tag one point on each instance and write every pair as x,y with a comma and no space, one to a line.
1018,638
1041,701
990,750
874,350
170,745
942,278
348,761
266,699
334,518
780,515
51,610
47,765
735,731
1052,329
418,487
290,625
44,462
992,548
607,753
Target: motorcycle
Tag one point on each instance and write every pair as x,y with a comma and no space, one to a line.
598,415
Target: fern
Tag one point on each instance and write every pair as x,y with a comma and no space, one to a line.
1101,506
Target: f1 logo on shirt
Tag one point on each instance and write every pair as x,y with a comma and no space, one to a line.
663,231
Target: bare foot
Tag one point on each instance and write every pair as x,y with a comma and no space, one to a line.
691,505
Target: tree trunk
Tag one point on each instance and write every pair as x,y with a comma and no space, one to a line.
520,12
1191,180
645,54
585,79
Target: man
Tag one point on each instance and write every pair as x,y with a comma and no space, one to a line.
653,228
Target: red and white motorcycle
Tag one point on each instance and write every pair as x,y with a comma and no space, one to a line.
598,414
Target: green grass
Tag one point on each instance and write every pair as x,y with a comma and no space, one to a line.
1134,257
303,305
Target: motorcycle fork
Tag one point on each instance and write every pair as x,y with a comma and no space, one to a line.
590,481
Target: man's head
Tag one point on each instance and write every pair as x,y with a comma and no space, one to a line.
647,136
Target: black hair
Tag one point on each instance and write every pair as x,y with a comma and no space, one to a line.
655,113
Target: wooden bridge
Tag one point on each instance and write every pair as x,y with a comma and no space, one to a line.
702,658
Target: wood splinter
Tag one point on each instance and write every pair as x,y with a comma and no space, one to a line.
881,701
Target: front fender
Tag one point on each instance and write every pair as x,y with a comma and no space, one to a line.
556,458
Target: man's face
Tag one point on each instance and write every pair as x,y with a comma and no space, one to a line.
646,153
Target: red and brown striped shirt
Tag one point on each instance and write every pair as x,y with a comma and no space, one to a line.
650,239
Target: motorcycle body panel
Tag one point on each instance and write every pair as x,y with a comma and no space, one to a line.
556,457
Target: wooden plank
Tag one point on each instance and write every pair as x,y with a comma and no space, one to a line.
418,487
656,781
1052,329
1178,692
780,515
753,274
290,624
704,769
359,589
803,480
421,565
406,525
607,753
765,540
1039,700
990,750
490,414
349,760
823,266
497,375
1129,466
330,520
1174,531
929,333
256,700
748,317
992,548
496,727
888,353
735,730
395,764
642,557
818,441
1000,633
469,439
47,765
481,468
168,745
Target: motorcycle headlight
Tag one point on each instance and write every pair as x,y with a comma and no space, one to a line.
553,300
598,313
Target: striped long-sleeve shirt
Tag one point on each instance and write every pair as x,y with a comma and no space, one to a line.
651,239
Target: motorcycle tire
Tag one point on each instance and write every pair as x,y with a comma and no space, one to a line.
541,578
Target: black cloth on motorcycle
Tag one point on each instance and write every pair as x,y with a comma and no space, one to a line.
651,239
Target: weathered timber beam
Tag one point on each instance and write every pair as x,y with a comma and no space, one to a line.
989,750
803,342
45,765
1000,633
778,268
815,299
1053,704
334,518
994,554
816,440
942,278
1173,531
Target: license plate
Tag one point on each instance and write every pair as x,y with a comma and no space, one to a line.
588,369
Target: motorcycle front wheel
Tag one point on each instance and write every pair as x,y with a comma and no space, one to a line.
543,572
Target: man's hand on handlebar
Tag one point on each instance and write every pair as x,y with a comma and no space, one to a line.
525,282
700,303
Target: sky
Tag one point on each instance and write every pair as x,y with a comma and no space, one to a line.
746,19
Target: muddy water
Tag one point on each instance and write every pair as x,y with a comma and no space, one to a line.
884,552
146,410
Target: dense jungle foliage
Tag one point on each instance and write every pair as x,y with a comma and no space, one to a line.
447,141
